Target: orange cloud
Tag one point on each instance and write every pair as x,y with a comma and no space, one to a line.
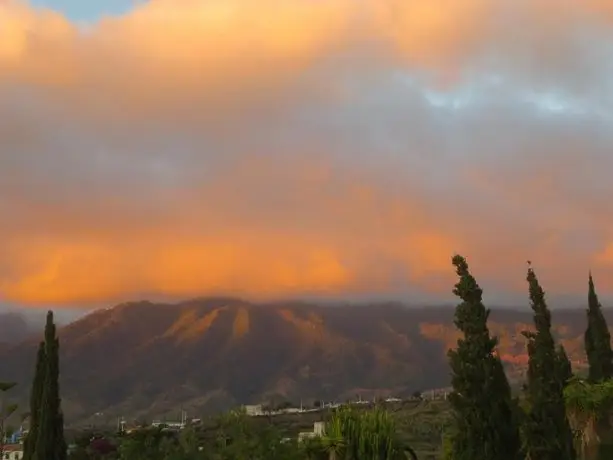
606,256
430,33
232,248
278,148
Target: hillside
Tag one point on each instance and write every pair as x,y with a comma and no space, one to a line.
421,424
147,360
13,328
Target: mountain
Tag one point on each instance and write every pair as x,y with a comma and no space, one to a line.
14,327
148,360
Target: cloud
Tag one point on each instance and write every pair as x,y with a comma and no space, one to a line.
280,148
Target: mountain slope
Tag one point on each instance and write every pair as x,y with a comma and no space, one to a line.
143,359
14,327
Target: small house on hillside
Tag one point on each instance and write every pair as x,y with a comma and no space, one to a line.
254,410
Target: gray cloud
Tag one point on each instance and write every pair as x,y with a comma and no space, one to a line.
336,157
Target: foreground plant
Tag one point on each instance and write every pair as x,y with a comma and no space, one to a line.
590,411
485,414
353,434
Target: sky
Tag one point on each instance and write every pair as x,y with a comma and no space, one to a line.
289,148
88,11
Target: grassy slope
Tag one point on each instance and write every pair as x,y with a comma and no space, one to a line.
421,424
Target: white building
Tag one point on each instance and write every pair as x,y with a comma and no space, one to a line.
13,452
319,429
254,410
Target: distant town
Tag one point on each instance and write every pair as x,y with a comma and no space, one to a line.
13,442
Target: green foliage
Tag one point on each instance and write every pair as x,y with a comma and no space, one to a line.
485,413
589,408
50,443
364,435
350,434
597,339
236,437
564,366
423,425
448,446
595,399
6,410
36,394
239,436
146,444
548,435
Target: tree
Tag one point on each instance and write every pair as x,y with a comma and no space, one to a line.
145,444
36,395
597,339
485,413
50,442
564,366
548,434
6,410
240,436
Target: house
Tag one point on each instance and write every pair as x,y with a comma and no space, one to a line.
319,429
254,410
13,452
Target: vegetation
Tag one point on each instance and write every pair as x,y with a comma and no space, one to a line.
6,410
485,413
547,431
36,394
565,367
45,441
350,434
367,435
597,339
589,408
590,404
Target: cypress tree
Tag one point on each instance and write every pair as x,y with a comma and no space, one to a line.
548,434
485,413
50,442
597,339
564,365
36,393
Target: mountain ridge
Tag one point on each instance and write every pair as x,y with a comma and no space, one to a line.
142,359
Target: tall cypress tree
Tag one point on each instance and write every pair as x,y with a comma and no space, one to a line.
547,432
564,365
485,412
36,394
597,339
50,443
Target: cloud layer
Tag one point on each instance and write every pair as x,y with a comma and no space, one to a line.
279,148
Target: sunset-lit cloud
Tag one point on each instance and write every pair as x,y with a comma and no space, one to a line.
282,148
